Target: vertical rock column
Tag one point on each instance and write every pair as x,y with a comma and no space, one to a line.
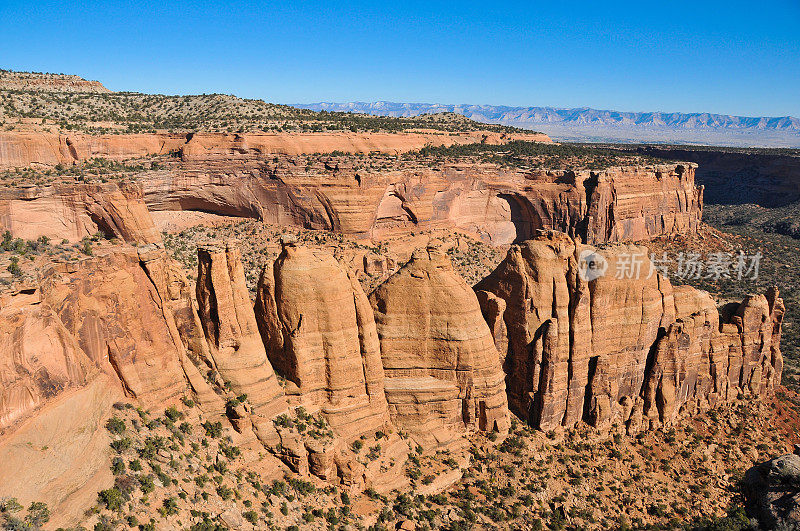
319,331
230,326
443,373
619,343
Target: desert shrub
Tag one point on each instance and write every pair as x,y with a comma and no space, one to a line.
38,514
116,425
213,429
117,466
112,499
121,445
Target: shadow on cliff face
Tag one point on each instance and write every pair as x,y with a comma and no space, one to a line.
767,177
522,217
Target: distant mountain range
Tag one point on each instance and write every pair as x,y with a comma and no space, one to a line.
586,124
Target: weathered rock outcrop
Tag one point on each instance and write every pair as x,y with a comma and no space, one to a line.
90,334
40,82
499,205
235,344
28,379
443,373
772,492
636,203
615,342
73,211
19,149
319,331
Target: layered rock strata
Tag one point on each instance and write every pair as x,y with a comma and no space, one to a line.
72,212
443,374
589,336
319,331
229,322
500,206
19,149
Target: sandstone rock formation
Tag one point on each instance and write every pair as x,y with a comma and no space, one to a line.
72,212
319,331
90,334
39,82
623,346
230,326
266,177
635,203
772,492
18,149
500,206
443,373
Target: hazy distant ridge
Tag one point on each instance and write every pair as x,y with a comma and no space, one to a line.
527,116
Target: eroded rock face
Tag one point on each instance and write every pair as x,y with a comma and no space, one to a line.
28,379
498,205
72,212
230,326
636,203
443,373
623,346
106,329
114,311
18,149
319,331
266,177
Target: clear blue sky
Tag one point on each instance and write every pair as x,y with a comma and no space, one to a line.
726,57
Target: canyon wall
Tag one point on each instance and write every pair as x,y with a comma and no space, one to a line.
578,345
498,205
74,211
22,149
267,177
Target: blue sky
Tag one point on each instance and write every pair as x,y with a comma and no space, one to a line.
724,57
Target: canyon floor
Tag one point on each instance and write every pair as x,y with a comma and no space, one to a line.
174,470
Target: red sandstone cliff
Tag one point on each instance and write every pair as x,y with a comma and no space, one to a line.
499,205
20,149
632,350
319,331
73,211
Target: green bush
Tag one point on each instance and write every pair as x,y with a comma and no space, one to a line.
112,499
115,425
